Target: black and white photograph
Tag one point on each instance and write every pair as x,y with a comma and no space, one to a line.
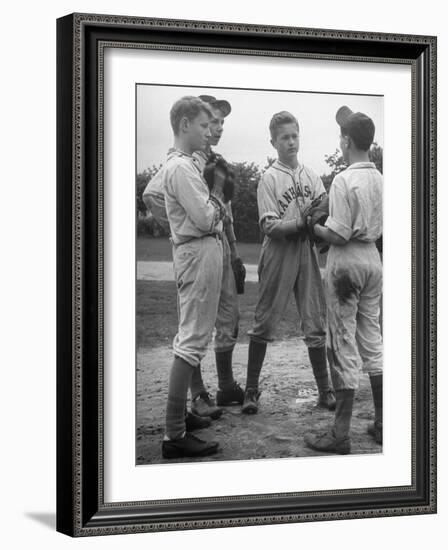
259,275
247,320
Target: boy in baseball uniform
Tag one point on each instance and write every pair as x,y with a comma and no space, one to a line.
195,220
229,391
353,281
288,262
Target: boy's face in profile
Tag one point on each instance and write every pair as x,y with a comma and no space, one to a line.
286,142
216,126
197,131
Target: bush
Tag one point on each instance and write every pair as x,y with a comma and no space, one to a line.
148,226
244,203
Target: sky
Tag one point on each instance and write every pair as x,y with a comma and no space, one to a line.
246,129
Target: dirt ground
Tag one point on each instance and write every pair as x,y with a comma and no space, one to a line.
287,407
288,401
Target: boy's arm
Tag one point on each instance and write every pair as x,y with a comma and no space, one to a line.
271,223
192,194
338,227
279,229
328,235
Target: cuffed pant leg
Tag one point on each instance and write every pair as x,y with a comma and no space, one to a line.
368,332
198,270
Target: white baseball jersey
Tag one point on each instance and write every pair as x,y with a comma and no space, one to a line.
356,203
190,211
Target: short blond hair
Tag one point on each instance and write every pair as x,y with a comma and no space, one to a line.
279,119
188,106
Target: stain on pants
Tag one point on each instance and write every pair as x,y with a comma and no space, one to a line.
353,282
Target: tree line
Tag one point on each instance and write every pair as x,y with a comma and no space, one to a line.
244,202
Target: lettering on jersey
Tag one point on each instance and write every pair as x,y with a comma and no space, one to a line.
292,193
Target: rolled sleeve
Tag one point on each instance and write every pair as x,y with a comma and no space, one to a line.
340,217
267,202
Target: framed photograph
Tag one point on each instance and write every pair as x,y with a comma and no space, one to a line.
225,357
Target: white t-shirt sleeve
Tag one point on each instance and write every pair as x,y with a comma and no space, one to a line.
340,218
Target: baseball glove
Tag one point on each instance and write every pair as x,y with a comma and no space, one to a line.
226,187
239,272
317,213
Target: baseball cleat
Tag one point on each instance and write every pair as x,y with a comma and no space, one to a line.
203,405
250,405
327,400
328,443
234,395
195,422
189,445
375,429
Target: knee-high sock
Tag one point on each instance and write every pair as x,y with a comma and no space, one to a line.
318,358
343,415
376,383
178,385
257,352
197,384
224,369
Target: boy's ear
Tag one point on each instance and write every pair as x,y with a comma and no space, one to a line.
184,124
272,143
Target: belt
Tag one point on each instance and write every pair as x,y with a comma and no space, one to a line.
217,236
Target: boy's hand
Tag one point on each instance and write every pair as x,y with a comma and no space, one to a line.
220,178
300,222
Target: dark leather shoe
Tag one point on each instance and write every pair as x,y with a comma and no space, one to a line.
203,405
231,396
195,422
328,443
250,405
189,445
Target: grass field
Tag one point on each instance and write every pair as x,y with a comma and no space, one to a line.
150,249
157,313
157,300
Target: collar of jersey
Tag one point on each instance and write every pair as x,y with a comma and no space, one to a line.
286,167
173,152
356,165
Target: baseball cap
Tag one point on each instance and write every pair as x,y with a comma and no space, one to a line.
358,126
221,104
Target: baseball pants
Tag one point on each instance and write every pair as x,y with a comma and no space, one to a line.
198,275
287,267
353,285
228,312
